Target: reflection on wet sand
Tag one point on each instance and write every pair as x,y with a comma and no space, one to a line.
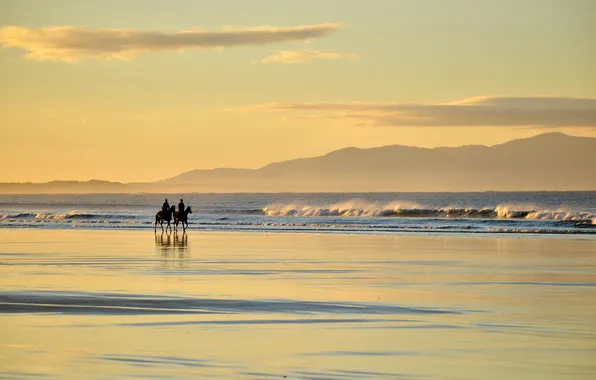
170,243
308,306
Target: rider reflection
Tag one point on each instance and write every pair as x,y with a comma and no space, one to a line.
172,243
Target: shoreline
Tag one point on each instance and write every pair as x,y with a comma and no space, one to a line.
577,236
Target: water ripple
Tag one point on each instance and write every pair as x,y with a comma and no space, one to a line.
114,303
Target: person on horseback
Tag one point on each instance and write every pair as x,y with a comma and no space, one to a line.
166,206
181,216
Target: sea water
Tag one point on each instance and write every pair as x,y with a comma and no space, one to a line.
376,213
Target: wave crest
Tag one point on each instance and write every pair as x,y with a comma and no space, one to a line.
59,216
352,208
65,215
412,210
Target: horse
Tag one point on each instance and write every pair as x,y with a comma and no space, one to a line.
182,217
164,216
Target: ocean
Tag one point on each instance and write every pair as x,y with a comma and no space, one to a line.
300,286
367,213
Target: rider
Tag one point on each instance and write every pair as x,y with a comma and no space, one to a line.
166,206
181,207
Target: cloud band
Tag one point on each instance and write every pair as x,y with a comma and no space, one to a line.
70,44
302,56
480,111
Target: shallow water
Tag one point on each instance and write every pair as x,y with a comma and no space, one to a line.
131,304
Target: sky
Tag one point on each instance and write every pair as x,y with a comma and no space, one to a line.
143,90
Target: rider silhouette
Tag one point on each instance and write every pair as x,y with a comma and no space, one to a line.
166,206
181,207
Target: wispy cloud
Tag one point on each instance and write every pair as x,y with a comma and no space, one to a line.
547,112
302,56
71,43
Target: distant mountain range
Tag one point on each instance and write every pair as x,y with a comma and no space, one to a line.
550,161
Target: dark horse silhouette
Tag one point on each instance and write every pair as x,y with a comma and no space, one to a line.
182,218
164,216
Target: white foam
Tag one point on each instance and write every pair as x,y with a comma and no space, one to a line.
360,208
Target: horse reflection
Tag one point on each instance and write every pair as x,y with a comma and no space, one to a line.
169,243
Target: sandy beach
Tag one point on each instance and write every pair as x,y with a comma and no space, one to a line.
110,304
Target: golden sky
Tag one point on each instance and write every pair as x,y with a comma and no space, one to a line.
144,90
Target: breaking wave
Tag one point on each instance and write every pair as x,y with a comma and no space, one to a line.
60,216
236,211
413,210
18,215
323,215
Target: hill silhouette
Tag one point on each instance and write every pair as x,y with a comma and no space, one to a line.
550,161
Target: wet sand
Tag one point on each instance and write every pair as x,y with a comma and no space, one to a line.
131,304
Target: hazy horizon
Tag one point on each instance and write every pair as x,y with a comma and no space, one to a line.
533,164
263,166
